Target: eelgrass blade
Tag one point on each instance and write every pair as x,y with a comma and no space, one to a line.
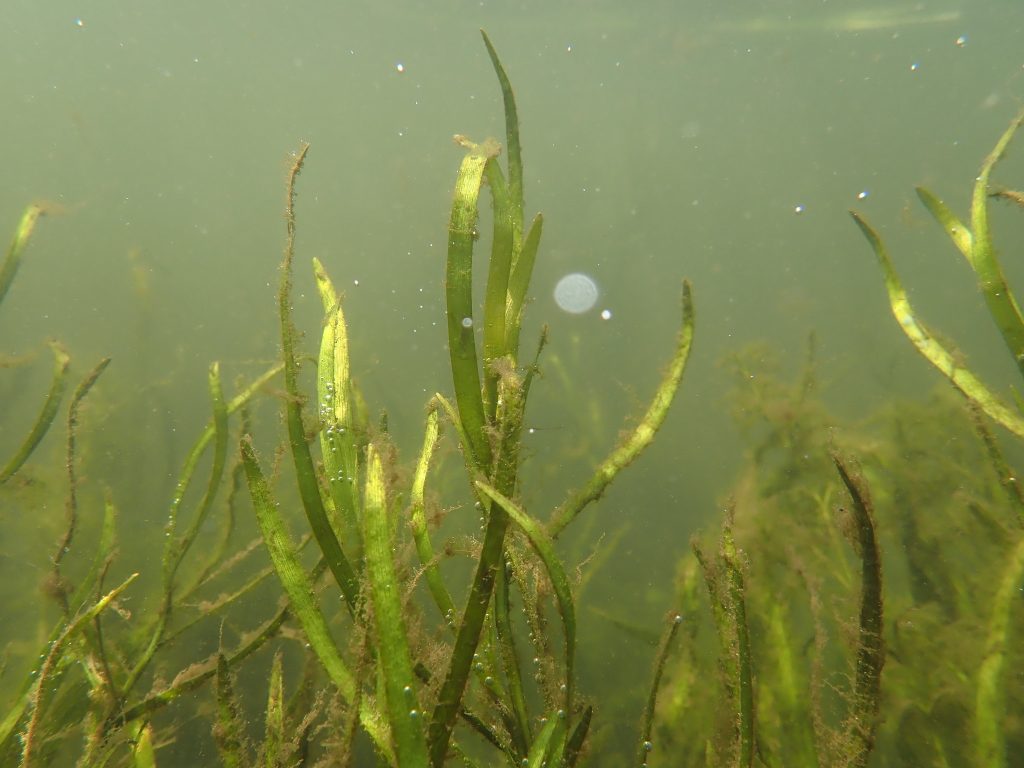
958,232
990,698
26,225
275,737
459,294
513,147
642,434
578,737
291,574
545,548
143,751
932,350
305,472
744,681
31,735
1002,304
863,720
46,414
647,722
404,714
176,549
546,743
724,579
467,637
300,593
496,292
519,283
334,393
418,522
71,504
229,731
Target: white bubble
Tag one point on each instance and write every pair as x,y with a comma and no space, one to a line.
576,293
467,322
606,314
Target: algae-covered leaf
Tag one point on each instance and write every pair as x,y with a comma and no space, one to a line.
229,730
642,435
403,708
26,226
545,548
958,232
51,405
933,351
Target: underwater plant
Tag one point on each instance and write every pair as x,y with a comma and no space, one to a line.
360,587
932,679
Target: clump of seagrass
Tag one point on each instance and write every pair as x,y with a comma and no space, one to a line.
412,713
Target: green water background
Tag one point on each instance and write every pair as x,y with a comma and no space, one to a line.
661,140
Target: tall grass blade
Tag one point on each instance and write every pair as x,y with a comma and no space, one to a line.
403,708
545,548
26,226
932,350
863,720
459,293
337,416
1002,304
305,472
647,721
47,413
642,434
300,593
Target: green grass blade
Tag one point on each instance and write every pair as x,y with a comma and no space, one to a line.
990,698
403,709
1002,304
864,721
519,283
275,738
496,293
744,681
647,722
293,578
947,363
31,735
334,394
513,147
305,471
545,548
229,731
46,414
546,743
958,232
176,550
418,522
642,434
26,225
459,294
300,593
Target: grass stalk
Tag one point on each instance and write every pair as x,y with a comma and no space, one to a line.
404,714
300,593
863,719
641,436
47,413
990,697
305,472
645,745
26,226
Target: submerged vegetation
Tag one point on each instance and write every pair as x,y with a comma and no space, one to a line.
846,596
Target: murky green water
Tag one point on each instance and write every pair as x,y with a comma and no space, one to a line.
719,142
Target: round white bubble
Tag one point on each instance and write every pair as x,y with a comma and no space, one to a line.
576,293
